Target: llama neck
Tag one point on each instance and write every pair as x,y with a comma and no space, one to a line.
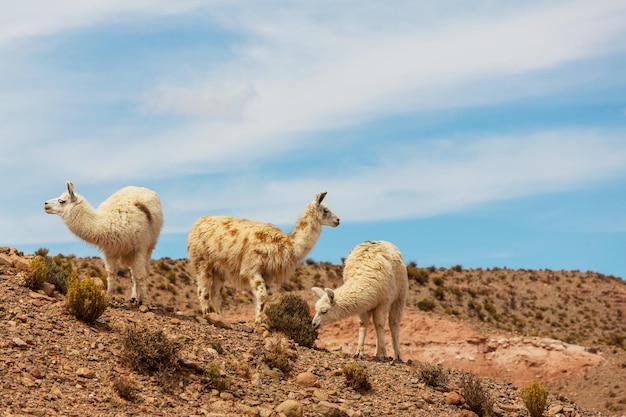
83,221
305,233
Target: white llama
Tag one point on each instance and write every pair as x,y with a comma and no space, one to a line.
125,227
375,284
248,253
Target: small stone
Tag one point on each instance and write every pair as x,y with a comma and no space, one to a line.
36,373
175,322
86,373
27,380
328,409
290,408
453,398
307,379
218,321
5,260
48,288
227,396
467,413
555,409
19,342
143,308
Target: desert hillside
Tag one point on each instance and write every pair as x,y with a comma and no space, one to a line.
564,329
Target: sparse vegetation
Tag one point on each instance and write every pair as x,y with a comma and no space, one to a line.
292,317
150,352
535,397
85,300
212,377
427,304
477,398
434,375
44,268
356,376
125,387
276,353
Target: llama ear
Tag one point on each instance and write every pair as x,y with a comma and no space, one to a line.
320,197
318,291
71,190
331,296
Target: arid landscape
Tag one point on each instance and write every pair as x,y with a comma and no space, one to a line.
564,329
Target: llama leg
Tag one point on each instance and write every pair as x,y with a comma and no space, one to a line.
205,282
379,324
260,292
138,273
111,266
395,315
364,319
216,292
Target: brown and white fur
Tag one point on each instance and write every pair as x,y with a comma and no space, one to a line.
375,285
125,227
248,253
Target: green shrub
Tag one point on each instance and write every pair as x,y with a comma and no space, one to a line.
427,304
212,377
85,300
535,397
357,376
292,317
477,398
53,270
37,272
434,376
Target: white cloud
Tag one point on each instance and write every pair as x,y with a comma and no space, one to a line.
202,100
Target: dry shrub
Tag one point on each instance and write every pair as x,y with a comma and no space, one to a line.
125,387
276,353
291,316
434,375
535,397
212,377
477,398
85,300
357,376
151,352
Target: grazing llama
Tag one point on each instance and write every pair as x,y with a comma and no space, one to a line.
375,284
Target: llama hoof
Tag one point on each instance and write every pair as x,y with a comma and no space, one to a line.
132,300
398,360
358,356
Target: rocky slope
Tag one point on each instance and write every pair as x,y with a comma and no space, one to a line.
52,364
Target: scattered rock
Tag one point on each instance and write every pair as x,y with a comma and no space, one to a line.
290,408
452,398
328,409
218,321
19,342
307,379
86,373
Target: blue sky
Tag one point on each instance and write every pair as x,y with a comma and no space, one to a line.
484,135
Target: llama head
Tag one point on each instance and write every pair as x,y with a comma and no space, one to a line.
63,203
324,307
327,217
